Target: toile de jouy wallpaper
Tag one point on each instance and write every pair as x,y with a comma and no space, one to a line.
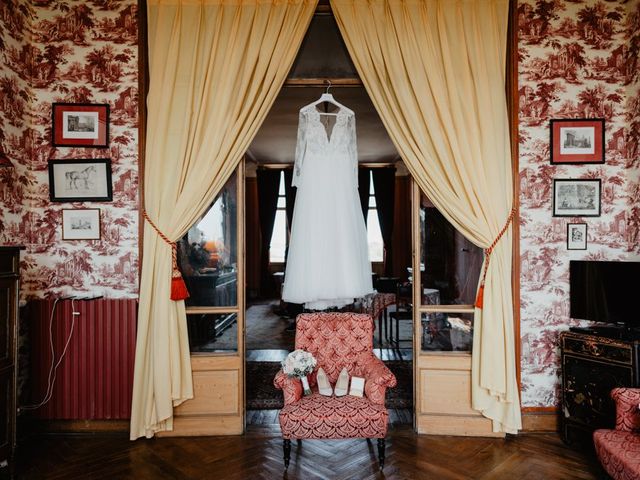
68,51
577,58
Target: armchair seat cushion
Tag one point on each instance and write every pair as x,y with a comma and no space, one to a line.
619,453
316,416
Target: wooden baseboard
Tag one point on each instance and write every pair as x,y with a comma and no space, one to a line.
76,426
541,421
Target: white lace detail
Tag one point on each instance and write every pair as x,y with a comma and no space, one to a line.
328,260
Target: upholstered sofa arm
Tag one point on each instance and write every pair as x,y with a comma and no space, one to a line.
291,387
377,377
627,409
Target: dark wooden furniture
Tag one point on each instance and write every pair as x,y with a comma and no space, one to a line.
403,312
9,276
592,366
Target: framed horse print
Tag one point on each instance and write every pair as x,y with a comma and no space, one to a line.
80,125
80,180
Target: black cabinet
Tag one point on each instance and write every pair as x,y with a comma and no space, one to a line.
591,367
9,260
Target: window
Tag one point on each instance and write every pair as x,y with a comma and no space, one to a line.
374,234
278,245
450,269
207,256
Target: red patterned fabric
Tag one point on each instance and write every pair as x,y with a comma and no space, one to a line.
316,416
627,412
336,340
619,450
619,453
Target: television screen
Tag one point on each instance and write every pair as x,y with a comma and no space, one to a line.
605,291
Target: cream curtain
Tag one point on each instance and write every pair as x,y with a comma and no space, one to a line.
215,70
435,70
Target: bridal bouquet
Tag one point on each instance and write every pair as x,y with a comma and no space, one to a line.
299,364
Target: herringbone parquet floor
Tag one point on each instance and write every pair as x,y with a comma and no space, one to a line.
258,455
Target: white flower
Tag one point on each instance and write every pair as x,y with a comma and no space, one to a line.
298,363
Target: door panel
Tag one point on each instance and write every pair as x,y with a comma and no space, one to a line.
443,326
212,255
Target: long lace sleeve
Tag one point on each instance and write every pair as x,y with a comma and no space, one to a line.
353,148
301,147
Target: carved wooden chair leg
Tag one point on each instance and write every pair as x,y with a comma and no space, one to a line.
286,447
381,446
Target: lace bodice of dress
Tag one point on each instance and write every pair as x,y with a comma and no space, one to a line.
318,136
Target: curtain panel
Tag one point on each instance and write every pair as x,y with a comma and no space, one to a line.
364,185
215,68
435,71
384,187
268,186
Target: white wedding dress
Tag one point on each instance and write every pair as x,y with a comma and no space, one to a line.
328,261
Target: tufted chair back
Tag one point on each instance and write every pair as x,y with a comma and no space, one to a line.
335,339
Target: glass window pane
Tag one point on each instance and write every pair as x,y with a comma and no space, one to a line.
212,333
372,202
282,203
281,192
278,238
450,264
207,254
447,332
374,237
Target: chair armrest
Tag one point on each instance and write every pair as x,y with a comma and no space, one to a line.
627,408
377,377
291,387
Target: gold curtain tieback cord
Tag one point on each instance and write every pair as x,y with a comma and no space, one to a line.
487,253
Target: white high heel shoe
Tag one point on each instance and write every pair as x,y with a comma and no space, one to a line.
342,385
324,387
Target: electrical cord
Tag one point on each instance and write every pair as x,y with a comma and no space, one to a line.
51,380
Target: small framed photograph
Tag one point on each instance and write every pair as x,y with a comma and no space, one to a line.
576,236
576,198
80,180
80,125
577,141
81,224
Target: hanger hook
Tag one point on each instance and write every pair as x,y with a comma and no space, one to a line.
328,86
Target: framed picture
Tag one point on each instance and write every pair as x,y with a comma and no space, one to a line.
80,125
80,180
81,224
576,198
577,141
576,236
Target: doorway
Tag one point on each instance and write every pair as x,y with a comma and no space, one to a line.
239,329
270,327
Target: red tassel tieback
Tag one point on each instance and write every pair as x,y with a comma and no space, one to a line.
487,253
178,287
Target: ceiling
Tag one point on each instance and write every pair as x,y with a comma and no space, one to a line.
322,55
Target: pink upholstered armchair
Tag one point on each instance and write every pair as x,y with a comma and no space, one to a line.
619,450
336,340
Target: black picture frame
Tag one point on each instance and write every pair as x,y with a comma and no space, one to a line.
569,200
90,227
80,180
95,135
571,242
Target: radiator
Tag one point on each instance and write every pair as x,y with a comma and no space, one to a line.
95,379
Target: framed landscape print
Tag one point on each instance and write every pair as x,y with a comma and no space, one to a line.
576,236
81,224
80,125
577,141
80,180
576,198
